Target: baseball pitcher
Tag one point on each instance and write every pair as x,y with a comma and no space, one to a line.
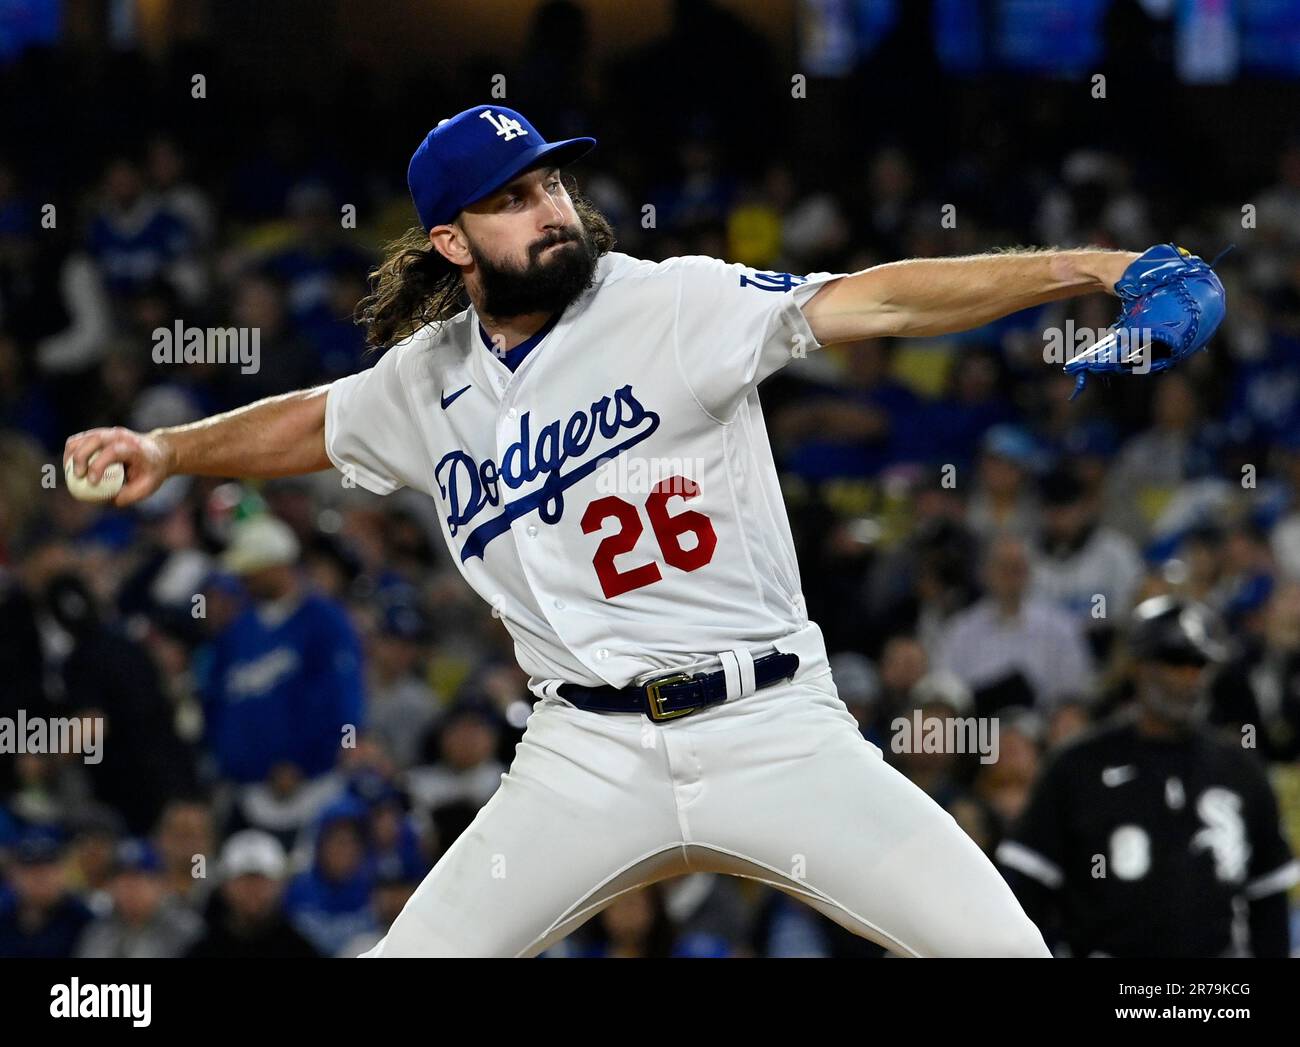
589,427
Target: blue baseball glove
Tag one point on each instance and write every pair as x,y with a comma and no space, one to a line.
1172,303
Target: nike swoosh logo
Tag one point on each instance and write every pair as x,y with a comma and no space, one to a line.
447,401
1113,776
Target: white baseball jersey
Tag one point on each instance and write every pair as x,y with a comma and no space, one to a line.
615,497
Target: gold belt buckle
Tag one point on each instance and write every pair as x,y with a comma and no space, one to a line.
656,701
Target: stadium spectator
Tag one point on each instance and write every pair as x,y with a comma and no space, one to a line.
134,239
145,922
1280,202
392,831
394,883
1153,464
464,773
863,423
317,252
974,402
285,360
1257,694
40,917
329,903
284,680
921,584
903,664
186,841
166,163
1285,536
400,705
245,918
1011,648
109,674
636,925
936,700
1082,566
1004,498
1003,786
95,835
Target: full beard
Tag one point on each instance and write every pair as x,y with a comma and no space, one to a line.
546,284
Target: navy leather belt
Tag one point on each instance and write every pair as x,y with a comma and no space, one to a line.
679,694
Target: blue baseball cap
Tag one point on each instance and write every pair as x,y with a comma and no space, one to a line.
136,855
1014,443
475,153
39,845
405,621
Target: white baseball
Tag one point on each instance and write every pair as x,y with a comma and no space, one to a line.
83,490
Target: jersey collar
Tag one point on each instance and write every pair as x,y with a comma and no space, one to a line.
514,357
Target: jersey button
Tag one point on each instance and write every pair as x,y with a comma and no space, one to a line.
601,655
512,414
532,530
559,605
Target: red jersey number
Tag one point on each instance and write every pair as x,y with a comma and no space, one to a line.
669,531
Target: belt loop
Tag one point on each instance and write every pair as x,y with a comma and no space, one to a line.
745,662
732,673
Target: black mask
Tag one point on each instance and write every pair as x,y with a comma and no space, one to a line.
1179,710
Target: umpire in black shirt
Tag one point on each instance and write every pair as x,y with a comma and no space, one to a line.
1151,835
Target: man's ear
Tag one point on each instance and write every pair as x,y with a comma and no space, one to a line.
449,241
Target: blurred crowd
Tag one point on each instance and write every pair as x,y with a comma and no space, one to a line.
304,705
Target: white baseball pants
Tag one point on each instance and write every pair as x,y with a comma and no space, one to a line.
778,786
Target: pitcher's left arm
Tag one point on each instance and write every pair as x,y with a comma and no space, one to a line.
938,296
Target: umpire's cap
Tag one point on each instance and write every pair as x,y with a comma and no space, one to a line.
1174,631
475,153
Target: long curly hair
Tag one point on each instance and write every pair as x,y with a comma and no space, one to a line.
415,285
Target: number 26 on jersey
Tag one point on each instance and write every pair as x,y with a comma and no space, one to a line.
686,539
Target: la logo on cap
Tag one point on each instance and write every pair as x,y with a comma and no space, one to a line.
507,127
